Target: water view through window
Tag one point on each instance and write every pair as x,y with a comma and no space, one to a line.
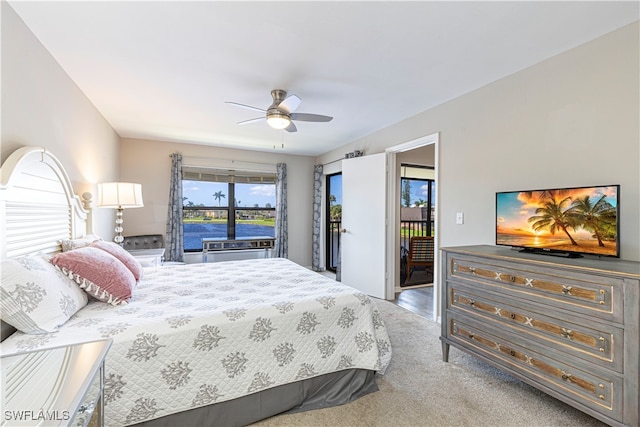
207,213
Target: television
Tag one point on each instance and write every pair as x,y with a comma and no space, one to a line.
560,221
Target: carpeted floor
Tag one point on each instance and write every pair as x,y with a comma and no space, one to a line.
419,389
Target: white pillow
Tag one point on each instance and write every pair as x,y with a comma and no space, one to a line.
71,244
35,297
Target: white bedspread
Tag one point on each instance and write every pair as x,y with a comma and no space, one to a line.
204,333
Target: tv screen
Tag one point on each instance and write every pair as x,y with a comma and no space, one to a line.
570,221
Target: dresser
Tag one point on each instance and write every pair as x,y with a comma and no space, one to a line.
61,386
568,327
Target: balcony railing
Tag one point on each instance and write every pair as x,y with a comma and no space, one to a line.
408,229
333,244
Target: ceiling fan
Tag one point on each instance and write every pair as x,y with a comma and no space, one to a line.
280,114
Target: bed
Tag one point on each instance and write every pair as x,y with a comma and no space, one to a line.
224,343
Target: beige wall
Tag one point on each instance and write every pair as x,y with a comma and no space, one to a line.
42,106
148,163
572,120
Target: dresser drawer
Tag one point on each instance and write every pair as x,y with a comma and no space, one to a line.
588,294
593,388
600,344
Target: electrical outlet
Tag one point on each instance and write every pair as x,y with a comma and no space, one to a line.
459,218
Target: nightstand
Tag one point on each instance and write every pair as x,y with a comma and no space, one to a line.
148,257
60,386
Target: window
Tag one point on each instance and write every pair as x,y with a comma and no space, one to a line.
417,202
227,205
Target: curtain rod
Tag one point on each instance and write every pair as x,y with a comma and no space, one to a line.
332,161
184,158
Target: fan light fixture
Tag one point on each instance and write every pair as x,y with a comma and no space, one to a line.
281,113
278,120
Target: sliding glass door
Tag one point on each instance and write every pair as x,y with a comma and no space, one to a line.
334,220
417,211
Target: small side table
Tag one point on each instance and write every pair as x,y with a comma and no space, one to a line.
61,386
148,257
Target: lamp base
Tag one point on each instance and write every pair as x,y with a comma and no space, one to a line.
119,238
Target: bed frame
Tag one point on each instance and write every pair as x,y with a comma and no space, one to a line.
38,209
37,204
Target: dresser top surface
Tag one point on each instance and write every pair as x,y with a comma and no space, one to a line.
604,265
52,380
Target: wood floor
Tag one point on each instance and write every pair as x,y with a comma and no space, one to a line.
418,300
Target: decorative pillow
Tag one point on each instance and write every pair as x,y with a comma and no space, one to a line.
99,273
71,244
125,257
35,297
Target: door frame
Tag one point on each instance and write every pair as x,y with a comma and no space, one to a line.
393,225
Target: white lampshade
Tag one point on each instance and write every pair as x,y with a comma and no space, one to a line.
120,195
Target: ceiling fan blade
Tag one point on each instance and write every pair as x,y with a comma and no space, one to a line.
246,106
305,117
291,128
246,122
290,103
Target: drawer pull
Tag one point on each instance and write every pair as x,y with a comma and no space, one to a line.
512,316
472,270
512,278
566,290
566,377
567,333
471,335
472,303
601,397
85,407
512,353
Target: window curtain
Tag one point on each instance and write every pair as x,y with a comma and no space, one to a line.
281,231
316,260
174,250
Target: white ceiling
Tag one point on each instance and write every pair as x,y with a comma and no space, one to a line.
163,70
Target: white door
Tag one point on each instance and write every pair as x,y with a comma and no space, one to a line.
362,242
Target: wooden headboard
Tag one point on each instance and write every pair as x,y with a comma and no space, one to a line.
38,208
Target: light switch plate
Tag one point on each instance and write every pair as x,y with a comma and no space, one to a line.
460,218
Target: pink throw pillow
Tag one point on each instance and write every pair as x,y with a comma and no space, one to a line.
125,257
99,273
